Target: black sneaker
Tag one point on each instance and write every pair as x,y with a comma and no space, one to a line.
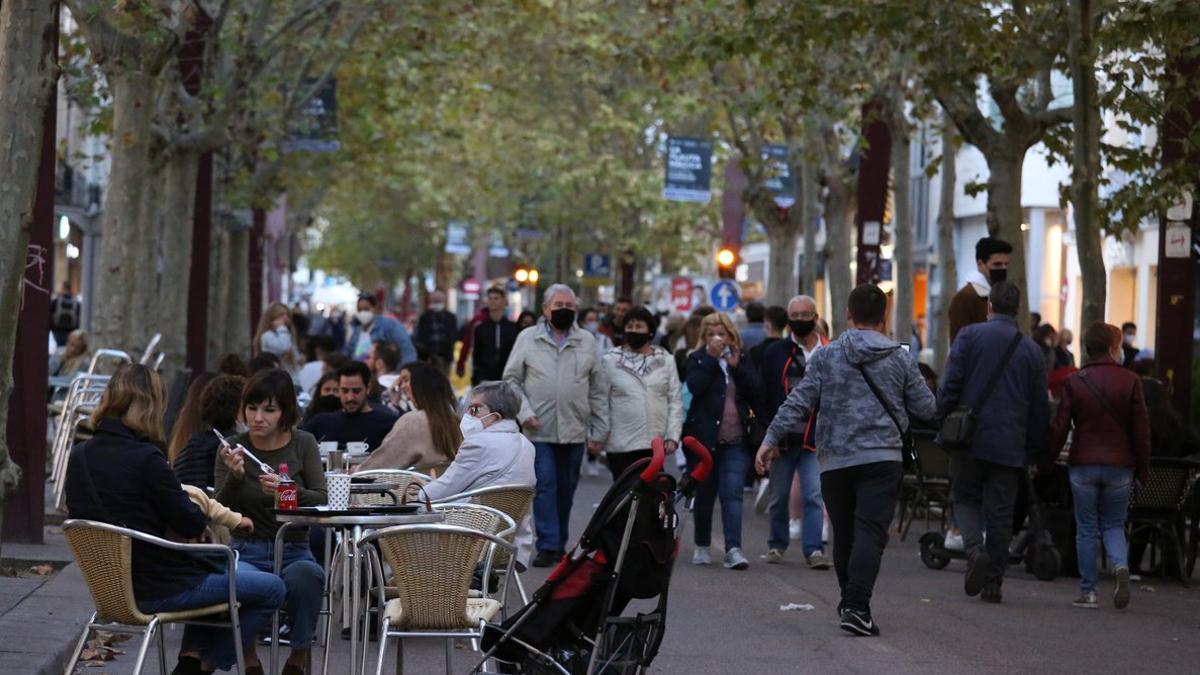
991,593
546,558
976,577
859,623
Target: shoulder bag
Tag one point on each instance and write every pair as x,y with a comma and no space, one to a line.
959,425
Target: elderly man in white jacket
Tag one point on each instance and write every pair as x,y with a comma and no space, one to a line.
493,452
644,394
564,404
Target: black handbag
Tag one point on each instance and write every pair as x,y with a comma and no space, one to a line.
958,427
908,448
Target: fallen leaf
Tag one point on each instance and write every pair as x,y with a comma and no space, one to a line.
43,570
1148,589
926,600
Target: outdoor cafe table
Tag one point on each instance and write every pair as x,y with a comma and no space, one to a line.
352,526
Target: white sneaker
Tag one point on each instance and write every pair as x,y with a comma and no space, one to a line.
763,498
591,469
734,560
794,527
954,541
701,557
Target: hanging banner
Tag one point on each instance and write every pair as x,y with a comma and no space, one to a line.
778,175
456,238
314,129
689,170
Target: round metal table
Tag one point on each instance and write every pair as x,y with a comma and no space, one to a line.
352,527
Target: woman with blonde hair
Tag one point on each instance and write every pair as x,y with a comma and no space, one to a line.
276,335
73,357
724,387
121,476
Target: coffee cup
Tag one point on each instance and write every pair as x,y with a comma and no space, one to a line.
328,446
358,448
338,485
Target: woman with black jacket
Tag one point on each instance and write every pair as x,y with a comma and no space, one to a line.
724,387
121,476
217,408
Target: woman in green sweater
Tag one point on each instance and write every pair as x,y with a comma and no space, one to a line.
269,409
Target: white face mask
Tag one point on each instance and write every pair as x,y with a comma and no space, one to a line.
365,317
437,306
471,425
592,327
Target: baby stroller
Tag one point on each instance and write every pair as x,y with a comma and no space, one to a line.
574,625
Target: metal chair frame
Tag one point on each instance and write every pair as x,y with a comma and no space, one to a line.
83,395
1164,514
490,540
481,496
97,622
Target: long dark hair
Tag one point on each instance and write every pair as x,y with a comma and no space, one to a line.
189,420
433,395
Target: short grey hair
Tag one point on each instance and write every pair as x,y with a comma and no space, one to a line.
554,290
803,298
1005,298
499,397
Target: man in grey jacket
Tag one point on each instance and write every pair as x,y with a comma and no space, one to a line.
564,403
866,387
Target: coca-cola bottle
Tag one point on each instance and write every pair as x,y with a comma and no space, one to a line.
286,496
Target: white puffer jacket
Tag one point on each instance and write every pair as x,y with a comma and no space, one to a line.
644,399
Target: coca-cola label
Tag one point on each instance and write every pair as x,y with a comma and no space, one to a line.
286,497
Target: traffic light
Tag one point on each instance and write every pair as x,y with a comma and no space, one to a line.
727,260
526,275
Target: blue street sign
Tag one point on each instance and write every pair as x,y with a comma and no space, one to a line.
724,295
596,265
512,286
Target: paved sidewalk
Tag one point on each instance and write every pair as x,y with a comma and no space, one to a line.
723,622
40,619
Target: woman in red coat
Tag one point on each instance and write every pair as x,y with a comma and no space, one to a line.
1110,449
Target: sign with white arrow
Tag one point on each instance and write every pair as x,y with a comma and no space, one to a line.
724,295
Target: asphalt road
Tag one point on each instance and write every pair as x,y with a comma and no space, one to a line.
723,621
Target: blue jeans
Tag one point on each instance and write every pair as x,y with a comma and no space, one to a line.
303,577
809,467
730,464
1101,501
556,466
259,595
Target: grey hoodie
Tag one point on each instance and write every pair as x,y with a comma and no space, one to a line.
852,427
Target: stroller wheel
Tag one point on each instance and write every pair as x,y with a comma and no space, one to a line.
932,553
1047,562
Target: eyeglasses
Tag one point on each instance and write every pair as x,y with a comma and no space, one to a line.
476,408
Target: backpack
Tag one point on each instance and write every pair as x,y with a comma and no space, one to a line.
66,308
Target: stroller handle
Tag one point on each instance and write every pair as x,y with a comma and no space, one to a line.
704,465
656,462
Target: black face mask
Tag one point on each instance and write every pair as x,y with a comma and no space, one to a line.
637,340
802,329
996,276
562,318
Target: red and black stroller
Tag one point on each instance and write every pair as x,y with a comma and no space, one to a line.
574,624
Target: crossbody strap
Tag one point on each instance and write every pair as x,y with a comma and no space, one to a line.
995,378
882,401
1100,398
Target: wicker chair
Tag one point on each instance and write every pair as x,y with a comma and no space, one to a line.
404,478
104,555
437,563
513,500
1157,508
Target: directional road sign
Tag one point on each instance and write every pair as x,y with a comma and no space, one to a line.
724,295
